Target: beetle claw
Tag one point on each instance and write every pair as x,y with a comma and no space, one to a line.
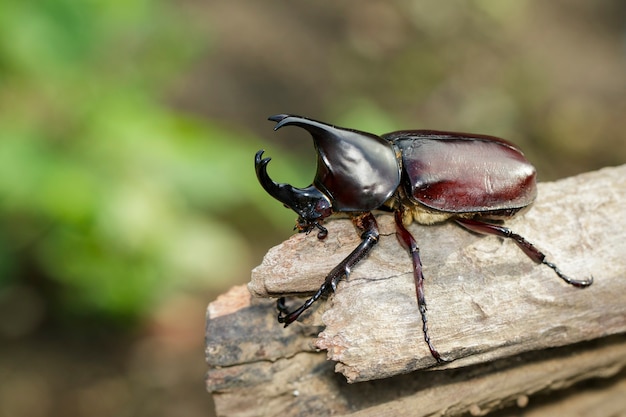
281,306
575,282
323,232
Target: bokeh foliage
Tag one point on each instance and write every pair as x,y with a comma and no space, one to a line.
119,183
126,144
108,195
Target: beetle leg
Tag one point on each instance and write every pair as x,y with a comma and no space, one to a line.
528,248
408,242
366,223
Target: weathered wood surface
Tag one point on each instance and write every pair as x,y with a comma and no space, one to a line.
259,369
486,299
489,307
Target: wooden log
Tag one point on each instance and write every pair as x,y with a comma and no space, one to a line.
492,312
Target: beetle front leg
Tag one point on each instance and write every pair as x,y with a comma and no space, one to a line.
528,248
408,242
366,223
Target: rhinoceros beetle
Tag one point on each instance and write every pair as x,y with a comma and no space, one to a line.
425,176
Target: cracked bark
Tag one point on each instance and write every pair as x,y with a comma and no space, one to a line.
511,328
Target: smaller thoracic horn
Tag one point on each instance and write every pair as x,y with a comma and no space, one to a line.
357,170
308,202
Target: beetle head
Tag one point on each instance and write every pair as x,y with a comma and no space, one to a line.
310,203
356,172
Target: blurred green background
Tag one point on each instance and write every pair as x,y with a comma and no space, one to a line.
128,199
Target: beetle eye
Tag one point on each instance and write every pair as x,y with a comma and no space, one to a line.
323,207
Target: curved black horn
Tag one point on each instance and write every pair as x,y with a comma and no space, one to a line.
357,170
284,193
303,201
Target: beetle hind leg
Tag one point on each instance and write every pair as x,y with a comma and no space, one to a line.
528,248
408,242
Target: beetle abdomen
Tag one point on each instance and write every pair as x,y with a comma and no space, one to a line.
462,173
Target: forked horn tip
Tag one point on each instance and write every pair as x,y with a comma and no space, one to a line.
259,161
280,120
277,117
288,119
584,283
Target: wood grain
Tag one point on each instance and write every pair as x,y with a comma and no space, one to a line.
494,314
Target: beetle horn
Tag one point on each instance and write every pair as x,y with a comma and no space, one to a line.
357,170
284,193
307,202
